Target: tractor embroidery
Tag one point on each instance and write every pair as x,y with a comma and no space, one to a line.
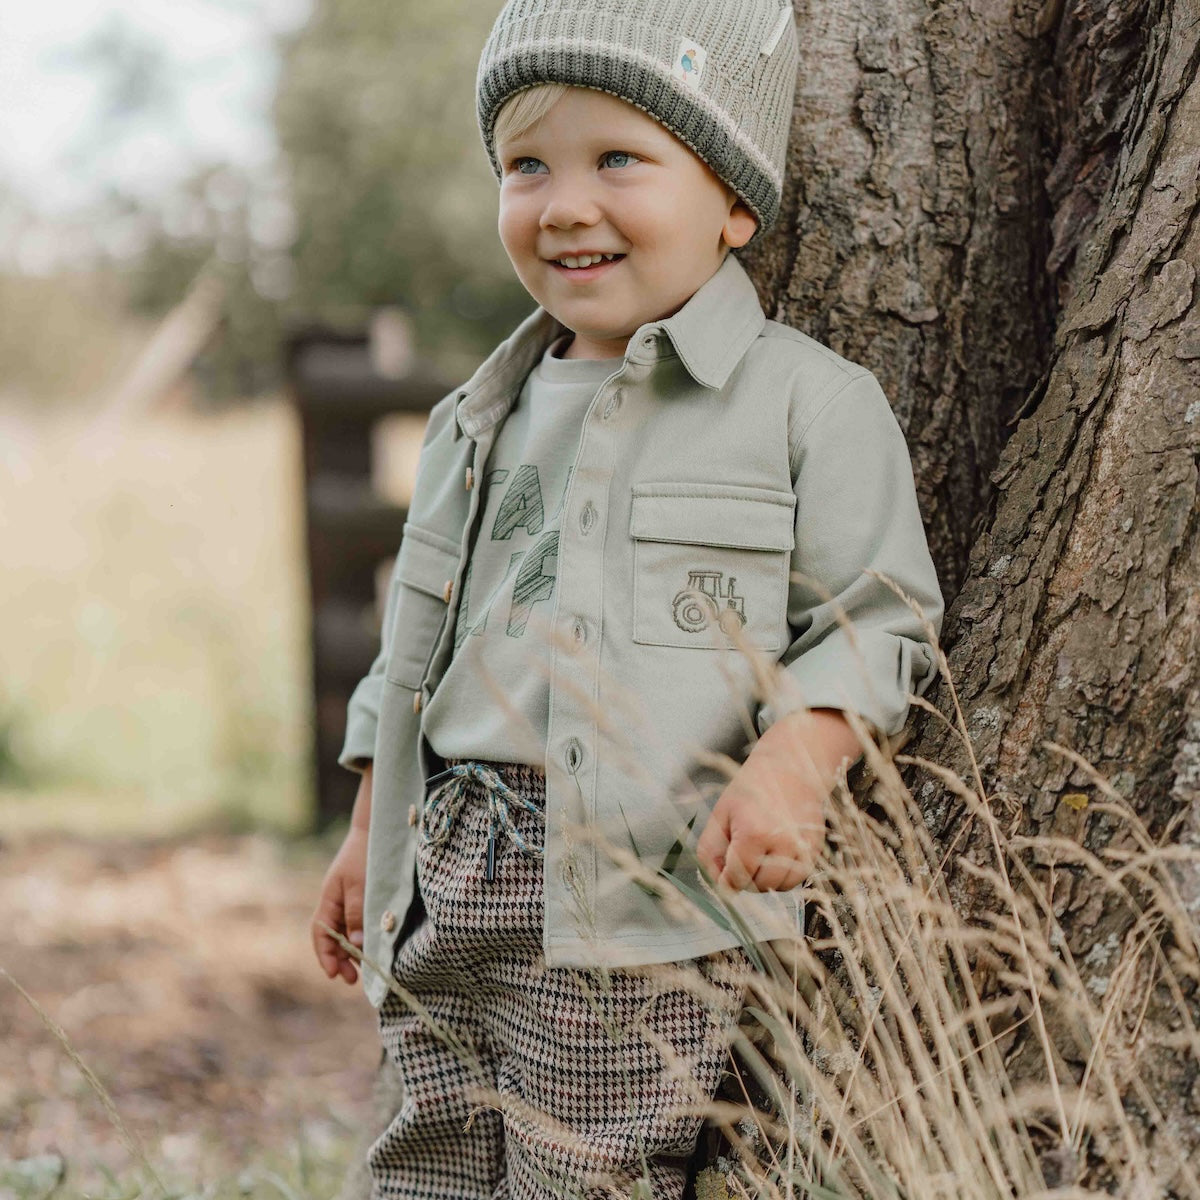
698,605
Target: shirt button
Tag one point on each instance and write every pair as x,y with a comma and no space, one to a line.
579,631
388,921
573,756
587,517
613,404
412,814
448,590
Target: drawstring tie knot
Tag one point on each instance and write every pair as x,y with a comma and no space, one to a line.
450,792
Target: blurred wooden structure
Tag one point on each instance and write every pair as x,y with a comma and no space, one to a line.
342,384
168,353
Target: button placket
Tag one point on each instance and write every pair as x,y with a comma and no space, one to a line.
573,755
577,603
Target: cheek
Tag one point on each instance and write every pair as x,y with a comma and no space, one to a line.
513,227
695,207
657,221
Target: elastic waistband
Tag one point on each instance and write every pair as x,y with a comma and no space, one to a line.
521,777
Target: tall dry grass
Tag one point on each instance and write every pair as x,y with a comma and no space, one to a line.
907,1048
890,1033
902,1049
913,1045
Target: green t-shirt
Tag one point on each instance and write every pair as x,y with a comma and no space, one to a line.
494,700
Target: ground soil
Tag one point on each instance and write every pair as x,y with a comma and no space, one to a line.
182,973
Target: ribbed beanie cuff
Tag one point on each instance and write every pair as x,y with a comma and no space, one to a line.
719,74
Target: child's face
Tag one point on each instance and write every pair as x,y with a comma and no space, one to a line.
598,174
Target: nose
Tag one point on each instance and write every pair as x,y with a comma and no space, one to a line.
569,201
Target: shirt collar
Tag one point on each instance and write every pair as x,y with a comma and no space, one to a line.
716,327
710,333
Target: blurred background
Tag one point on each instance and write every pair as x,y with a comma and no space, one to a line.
234,234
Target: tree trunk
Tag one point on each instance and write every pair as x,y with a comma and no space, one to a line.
1079,620
915,230
993,207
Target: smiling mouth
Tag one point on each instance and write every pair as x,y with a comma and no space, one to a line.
591,271
575,261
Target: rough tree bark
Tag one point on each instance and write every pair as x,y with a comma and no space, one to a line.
992,205
1079,619
914,231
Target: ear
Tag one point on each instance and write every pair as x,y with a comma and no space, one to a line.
739,225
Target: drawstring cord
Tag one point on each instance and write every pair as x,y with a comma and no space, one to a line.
448,796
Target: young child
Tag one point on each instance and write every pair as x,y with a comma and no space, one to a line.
649,502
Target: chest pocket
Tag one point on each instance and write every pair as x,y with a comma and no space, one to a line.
710,565
425,567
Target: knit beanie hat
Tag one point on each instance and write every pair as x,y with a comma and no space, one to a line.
719,74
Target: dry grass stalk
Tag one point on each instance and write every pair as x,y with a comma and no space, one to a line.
123,1131
879,1060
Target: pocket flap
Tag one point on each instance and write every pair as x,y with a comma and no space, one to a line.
747,518
425,560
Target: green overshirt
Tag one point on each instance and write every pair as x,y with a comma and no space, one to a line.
733,482
493,702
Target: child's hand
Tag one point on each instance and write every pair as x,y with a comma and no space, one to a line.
341,906
768,826
765,832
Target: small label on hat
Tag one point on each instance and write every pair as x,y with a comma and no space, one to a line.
689,63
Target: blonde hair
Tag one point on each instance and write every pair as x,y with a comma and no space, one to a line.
525,109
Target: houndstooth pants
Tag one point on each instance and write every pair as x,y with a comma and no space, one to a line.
523,1081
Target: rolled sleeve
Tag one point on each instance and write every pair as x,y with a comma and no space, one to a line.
362,710
362,719
856,511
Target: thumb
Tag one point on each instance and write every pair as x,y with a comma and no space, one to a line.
714,841
741,861
329,913
354,915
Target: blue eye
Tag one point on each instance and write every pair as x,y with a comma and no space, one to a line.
518,164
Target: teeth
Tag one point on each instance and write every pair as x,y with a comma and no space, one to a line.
585,260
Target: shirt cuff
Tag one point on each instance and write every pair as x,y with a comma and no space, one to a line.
362,719
872,679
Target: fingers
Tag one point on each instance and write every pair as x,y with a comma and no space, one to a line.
355,938
750,865
328,952
333,911
780,873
